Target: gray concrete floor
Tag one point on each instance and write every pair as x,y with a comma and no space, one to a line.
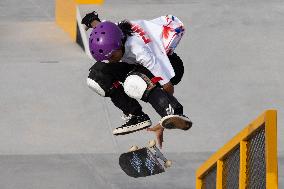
81,171
56,133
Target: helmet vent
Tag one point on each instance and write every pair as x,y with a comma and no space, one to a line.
102,26
98,39
101,51
92,52
103,33
96,32
92,40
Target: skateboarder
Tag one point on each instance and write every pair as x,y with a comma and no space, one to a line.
144,62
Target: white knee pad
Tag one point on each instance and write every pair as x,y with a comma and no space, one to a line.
135,86
95,87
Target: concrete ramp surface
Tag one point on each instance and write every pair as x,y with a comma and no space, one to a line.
56,133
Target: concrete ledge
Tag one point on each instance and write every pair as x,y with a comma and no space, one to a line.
65,14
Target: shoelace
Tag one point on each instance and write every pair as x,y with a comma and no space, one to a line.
126,117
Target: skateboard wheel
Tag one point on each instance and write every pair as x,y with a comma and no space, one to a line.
133,148
152,143
168,163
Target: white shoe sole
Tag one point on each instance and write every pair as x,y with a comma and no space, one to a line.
131,129
176,122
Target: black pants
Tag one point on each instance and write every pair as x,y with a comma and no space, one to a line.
107,76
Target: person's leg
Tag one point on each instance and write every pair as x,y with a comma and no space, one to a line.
169,121
153,93
139,84
103,80
171,111
126,104
133,114
164,103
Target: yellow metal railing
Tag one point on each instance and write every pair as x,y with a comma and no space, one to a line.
268,120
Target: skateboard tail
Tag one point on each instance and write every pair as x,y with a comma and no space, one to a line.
123,163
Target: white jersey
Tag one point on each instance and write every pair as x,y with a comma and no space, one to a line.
151,42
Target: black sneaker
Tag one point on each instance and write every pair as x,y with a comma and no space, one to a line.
176,122
134,123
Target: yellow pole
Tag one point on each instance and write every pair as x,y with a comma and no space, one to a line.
271,149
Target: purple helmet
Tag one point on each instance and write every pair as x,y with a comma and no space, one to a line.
105,38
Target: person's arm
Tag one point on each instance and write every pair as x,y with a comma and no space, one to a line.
90,20
169,88
159,131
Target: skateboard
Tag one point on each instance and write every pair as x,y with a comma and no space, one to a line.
143,162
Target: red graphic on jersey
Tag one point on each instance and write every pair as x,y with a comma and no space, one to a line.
137,29
166,32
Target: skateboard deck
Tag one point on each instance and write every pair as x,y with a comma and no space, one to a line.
143,162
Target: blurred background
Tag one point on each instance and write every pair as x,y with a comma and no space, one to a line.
57,133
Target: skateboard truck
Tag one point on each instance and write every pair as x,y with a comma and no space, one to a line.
133,148
158,154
